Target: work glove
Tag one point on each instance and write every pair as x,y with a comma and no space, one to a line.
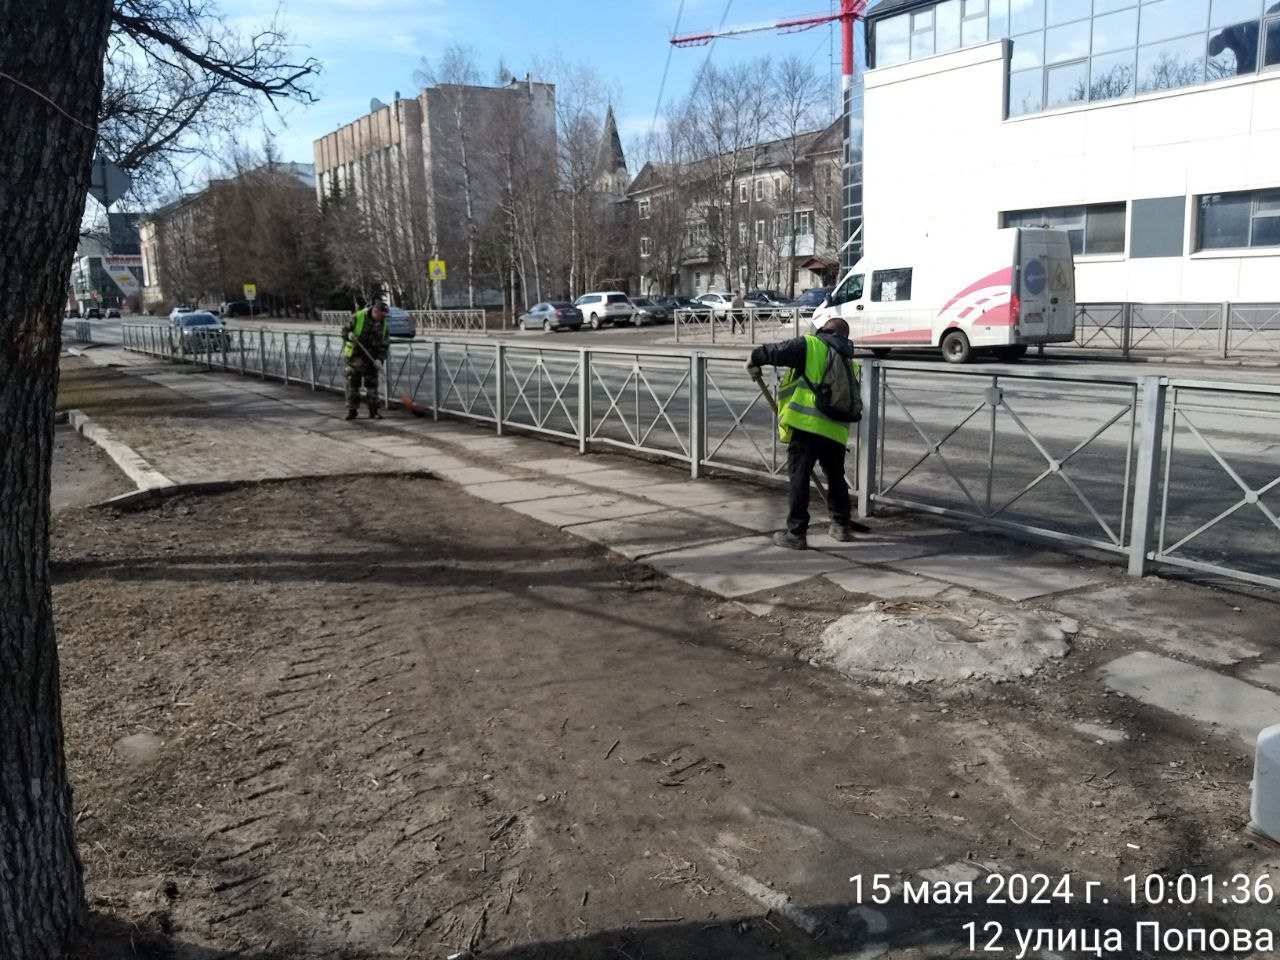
754,372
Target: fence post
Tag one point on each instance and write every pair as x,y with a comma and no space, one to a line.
284,339
675,320
1224,332
311,360
262,353
1146,488
697,413
435,379
584,400
869,436
240,347
500,369
1126,329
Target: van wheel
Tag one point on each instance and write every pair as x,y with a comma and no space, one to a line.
879,351
1011,353
955,347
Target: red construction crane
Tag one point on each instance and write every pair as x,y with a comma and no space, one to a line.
850,10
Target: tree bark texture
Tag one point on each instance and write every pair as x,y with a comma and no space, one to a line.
56,48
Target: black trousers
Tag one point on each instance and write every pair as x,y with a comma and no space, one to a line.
804,452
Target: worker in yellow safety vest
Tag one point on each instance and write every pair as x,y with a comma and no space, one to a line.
365,342
818,398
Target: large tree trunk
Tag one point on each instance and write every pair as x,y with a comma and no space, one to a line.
55,47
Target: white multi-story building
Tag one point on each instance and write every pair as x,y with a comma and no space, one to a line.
1149,129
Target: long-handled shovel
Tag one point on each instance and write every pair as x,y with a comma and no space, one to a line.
822,490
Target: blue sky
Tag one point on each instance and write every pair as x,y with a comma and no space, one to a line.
371,48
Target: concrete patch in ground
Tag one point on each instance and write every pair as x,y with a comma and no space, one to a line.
515,491
744,566
631,481
138,747
1007,575
756,513
1195,693
658,532
582,508
886,584
921,642
1099,732
1134,610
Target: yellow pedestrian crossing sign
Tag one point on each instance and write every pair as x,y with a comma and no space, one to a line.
436,270
1060,281
251,291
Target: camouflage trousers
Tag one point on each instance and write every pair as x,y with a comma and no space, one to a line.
362,371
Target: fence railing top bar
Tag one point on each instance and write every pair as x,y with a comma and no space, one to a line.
1226,386
1003,372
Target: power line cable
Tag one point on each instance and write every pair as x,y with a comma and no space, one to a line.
657,107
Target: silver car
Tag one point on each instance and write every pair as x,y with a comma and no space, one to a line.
400,325
552,316
199,331
648,312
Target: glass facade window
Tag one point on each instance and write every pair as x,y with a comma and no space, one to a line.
1068,83
1108,48
1238,220
1095,229
893,41
1026,15
947,26
1172,64
1064,11
1068,42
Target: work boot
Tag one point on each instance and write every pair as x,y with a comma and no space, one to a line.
351,415
375,415
785,538
840,532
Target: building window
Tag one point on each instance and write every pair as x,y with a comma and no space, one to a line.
1094,230
893,40
646,247
697,281
804,222
777,187
743,192
760,189
1239,220
643,207
759,231
742,232
891,286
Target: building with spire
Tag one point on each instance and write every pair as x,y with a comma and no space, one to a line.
611,163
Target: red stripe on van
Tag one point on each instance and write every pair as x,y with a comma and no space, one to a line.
906,336
997,316
1000,277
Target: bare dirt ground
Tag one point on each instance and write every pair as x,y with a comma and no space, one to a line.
82,473
377,718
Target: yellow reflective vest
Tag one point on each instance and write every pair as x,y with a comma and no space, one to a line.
357,329
797,406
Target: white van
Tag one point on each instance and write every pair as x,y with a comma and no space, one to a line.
998,292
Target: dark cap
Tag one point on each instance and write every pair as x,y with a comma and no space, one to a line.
380,305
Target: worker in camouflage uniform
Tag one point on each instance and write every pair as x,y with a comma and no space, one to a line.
365,343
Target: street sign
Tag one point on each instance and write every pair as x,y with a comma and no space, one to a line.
107,182
436,270
251,291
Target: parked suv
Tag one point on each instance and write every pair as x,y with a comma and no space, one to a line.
605,308
236,308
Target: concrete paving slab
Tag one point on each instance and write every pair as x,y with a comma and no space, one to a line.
1265,674
887,585
1195,693
582,508
870,548
1005,575
690,493
517,491
659,532
564,466
744,566
632,481
467,475
757,513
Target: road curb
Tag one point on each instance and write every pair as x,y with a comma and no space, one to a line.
144,476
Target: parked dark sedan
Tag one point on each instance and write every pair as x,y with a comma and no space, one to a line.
647,311
764,298
552,316
810,300
675,303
